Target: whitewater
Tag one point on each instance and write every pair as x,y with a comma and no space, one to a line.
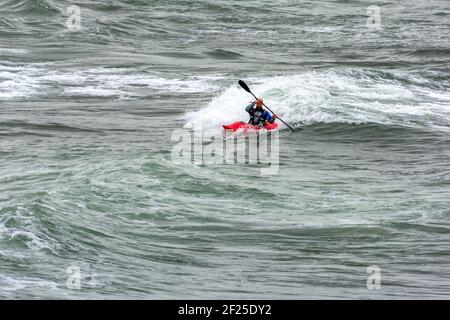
88,185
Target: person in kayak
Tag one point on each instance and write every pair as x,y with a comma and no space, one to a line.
258,116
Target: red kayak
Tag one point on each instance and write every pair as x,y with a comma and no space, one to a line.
239,125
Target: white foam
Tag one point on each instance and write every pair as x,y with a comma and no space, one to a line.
18,86
2,230
19,81
8,283
344,96
12,51
34,79
27,234
92,91
128,86
33,241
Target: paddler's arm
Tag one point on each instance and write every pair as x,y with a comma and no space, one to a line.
274,117
270,118
249,108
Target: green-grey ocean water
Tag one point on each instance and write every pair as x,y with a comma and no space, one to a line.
86,177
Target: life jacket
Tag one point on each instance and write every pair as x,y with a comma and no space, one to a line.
257,117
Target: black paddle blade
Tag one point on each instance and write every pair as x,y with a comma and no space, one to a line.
244,86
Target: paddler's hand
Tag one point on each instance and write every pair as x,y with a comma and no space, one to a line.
274,116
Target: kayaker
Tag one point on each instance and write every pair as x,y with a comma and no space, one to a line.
258,116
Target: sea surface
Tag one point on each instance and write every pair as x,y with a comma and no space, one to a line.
92,205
